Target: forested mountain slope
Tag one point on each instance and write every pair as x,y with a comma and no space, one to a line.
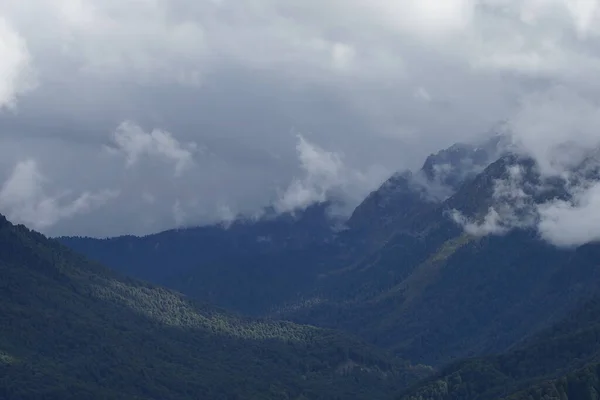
71,329
248,266
435,293
405,275
254,266
562,363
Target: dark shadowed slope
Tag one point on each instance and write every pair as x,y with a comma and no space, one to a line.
561,363
249,266
70,329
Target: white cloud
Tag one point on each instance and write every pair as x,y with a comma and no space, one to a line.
323,171
24,200
491,224
325,174
585,15
141,41
16,75
557,127
512,207
563,222
574,222
133,142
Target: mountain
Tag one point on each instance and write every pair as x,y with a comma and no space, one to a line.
561,362
448,169
388,209
248,266
461,281
72,329
434,293
414,273
255,266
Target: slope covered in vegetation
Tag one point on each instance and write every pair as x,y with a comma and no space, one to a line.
71,329
562,363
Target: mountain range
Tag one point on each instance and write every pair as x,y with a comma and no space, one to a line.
437,286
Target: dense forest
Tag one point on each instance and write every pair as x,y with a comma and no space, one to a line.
562,362
71,329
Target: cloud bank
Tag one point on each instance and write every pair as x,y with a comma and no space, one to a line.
217,88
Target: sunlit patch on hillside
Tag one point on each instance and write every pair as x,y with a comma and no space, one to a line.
426,272
172,309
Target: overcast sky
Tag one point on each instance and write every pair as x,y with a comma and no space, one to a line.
133,116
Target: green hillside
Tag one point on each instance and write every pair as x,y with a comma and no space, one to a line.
70,329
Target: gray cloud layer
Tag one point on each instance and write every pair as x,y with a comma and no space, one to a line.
135,116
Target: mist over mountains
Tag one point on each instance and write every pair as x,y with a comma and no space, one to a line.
474,216
442,284
316,200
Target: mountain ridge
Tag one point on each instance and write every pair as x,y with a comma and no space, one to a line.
429,284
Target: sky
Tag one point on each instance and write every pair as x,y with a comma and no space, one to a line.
135,116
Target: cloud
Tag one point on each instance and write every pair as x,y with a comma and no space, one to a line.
325,176
574,222
383,83
16,75
133,143
558,127
492,223
323,171
24,200
563,211
426,17
512,207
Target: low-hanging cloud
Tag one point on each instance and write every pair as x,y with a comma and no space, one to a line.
325,174
573,222
568,219
24,200
512,207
